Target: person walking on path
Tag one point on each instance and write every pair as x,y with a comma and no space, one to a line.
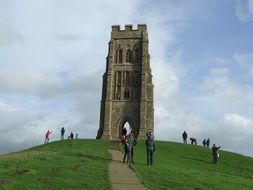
126,157
208,143
62,133
184,136
215,150
150,149
47,136
132,143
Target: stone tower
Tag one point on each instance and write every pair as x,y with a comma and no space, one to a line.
127,92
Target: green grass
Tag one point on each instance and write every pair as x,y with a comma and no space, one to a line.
68,164
83,164
179,166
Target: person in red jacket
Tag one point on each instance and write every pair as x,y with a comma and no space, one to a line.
47,136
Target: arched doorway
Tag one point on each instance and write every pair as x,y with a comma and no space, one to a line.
127,126
128,123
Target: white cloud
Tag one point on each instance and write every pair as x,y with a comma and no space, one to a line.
238,120
244,10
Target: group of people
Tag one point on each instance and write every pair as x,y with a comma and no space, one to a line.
71,136
206,143
129,141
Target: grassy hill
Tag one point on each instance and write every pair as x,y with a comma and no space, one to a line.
179,166
83,164
68,164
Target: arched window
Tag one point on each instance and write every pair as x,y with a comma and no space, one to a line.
120,56
136,55
126,95
129,56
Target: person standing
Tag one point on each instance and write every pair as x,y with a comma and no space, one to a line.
208,142
150,149
62,133
132,143
204,142
184,136
71,135
47,137
126,157
215,150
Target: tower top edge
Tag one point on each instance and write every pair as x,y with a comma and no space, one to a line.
129,27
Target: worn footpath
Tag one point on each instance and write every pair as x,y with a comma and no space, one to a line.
120,175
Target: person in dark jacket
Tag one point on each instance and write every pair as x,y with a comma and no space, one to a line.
208,143
150,148
126,157
62,133
132,143
184,136
71,135
215,150
204,142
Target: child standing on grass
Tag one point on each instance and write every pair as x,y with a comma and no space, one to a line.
47,136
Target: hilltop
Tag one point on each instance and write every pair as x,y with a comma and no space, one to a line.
83,164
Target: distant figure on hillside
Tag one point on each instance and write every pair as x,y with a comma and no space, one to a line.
126,157
76,135
193,141
71,135
132,143
124,131
204,142
184,136
150,148
62,133
215,150
208,143
47,136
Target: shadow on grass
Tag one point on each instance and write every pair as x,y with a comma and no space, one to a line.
196,159
96,157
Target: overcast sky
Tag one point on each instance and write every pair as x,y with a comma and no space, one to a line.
52,58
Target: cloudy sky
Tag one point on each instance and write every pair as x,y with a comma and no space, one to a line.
52,58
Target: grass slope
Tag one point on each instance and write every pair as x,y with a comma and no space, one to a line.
68,164
179,166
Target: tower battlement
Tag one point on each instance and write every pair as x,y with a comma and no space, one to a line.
129,27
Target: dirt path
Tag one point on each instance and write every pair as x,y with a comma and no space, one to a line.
120,175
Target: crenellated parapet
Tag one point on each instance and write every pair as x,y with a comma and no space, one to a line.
129,27
129,31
